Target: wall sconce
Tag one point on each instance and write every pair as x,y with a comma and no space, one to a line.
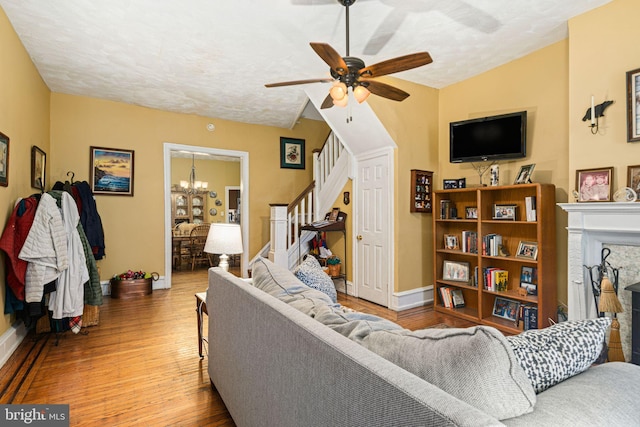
593,113
345,198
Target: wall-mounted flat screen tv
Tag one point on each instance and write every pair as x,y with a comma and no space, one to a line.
488,138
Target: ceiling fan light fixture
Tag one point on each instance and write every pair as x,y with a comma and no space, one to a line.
341,102
338,91
361,93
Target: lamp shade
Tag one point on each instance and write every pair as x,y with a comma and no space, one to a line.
224,239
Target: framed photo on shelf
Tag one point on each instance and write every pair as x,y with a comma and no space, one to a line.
291,153
471,212
633,178
451,242
455,271
111,171
507,212
506,308
527,250
448,184
4,160
333,216
594,185
529,279
524,176
38,164
633,102
462,183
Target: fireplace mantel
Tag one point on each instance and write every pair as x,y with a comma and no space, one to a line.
590,225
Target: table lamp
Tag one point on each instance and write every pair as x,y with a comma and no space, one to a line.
224,239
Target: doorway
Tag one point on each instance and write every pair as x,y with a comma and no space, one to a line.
171,150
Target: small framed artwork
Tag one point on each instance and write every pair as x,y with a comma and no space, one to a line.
4,160
449,184
455,271
633,177
633,102
506,308
471,212
462,183
38,164
504,212
333,216
527,250
529,279
111,171
594,185
451,242
291,153
524,176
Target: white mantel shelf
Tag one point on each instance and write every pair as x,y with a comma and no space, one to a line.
590,225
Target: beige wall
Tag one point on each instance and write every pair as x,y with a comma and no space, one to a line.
602,49
413,124
135,225
24,118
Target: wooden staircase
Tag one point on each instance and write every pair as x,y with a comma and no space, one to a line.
331,171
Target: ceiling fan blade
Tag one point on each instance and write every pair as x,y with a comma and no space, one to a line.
384,90
395,65
331,57
299,82
327,103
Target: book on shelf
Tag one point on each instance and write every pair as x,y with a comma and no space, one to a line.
495,279
530,208
444,208
491,244
469,241
445,295
528,314
457,298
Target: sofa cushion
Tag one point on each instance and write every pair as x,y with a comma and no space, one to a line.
553,354
475,364
310,273
282,284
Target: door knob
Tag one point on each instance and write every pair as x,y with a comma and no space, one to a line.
359,237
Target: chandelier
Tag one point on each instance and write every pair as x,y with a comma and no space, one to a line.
193,186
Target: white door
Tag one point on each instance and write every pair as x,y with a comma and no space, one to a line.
373,240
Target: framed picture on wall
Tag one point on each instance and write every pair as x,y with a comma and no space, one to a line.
4,160
111,171
38,164
633,104
633,178
291,153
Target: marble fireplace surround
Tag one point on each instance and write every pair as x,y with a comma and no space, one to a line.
590,227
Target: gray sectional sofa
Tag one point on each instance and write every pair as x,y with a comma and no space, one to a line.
283,354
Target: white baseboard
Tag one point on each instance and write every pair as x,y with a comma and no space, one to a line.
10,340
413,298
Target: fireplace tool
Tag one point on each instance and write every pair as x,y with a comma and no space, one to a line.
604,284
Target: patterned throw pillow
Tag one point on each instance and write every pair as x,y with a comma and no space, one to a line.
310,273
553,354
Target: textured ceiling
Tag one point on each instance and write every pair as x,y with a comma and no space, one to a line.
213,57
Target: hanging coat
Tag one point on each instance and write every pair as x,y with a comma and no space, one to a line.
45,249
68,299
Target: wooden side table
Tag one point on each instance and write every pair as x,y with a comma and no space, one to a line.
201,307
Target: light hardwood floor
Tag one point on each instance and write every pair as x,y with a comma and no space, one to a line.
140,366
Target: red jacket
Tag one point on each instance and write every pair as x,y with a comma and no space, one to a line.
12,240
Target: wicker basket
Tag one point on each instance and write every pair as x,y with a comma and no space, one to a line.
90,315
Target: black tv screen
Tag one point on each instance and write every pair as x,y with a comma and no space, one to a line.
488,138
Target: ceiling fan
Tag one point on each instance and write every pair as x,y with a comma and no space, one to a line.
351,72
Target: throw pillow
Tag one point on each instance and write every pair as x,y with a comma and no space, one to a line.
553,354
282,284
310,273
475,364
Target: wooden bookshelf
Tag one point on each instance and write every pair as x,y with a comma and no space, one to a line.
474,211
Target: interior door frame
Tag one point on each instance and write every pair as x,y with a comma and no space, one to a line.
388,153
168,147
